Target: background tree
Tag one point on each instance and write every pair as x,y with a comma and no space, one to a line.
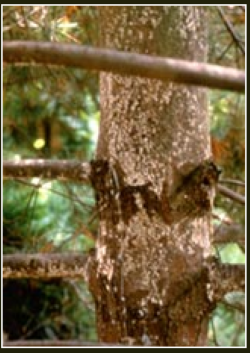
128,184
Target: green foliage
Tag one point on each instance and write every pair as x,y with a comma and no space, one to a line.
48,113
227,326
38,220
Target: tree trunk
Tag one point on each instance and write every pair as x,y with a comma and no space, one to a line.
154,186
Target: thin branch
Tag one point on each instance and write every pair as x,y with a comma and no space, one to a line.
239,329
224,278
230,29
224,52
82,228
235,306
215,340
50,169
233,182
79,293
229,233
124,63
45,265
231,194
56,343
54,191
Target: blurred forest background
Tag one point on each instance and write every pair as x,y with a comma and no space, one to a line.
51,112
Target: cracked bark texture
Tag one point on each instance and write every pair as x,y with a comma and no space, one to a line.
147,280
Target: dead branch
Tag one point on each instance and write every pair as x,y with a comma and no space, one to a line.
71,170
124,63
229,233
223,190
234,306
50,169
224,278
231,31
55,343
233,182
47,265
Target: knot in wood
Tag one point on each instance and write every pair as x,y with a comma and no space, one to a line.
194,197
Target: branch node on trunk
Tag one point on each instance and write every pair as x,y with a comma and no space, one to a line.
194,196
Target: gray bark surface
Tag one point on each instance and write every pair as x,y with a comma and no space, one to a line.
154,184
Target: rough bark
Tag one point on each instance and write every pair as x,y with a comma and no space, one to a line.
224,278
45,265
49,169
154,183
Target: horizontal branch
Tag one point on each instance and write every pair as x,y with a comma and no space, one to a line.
232,182
124,63
72,171
225,278
223,190
55,343
45,265
234,305
49,169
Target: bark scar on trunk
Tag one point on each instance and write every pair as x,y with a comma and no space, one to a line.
193,198
112,191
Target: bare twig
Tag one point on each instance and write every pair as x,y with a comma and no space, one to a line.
224,52
55,343
124,63
231,194
229,233
54,191
50,169
230,29
86,302
216,343
235,306
240,327
82,228
45,265
233,182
